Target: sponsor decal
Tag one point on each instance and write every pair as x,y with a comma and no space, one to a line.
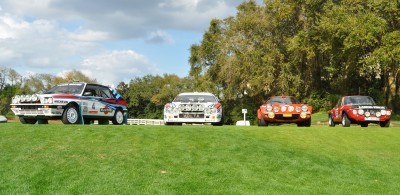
106,110
61,101
93,106
93,112
373,107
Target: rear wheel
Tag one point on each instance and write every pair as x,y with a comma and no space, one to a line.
118,118
25,120
71,115
345,120
385,124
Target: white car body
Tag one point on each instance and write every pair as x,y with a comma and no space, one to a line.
194,107
73,103
3,119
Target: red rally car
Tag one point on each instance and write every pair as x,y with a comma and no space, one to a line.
360,110
284,109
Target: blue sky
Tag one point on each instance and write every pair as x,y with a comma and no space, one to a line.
111,41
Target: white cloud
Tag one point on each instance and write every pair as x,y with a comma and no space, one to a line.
160,37
116,66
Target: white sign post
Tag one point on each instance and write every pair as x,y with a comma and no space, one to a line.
244,111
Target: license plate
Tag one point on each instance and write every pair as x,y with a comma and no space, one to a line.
287,115
371,118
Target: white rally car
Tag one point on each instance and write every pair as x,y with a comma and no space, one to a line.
73,103
194,108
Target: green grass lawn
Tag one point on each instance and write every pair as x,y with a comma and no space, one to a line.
92,159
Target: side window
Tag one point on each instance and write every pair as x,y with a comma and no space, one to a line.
106,93
90,91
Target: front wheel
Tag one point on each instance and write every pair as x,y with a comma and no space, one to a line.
262,122
330,121
345,121
71,115
118,118
24,120
385,124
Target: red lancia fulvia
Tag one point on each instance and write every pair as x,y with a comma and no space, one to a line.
360,110
284,109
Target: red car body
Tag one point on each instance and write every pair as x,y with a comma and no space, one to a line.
360,110
284,109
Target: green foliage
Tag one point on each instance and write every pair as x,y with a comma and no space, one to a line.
315,50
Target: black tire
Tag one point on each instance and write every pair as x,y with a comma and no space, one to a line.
385,124
331,123
71,115
118,118
364,124
307,123
169,123
262,122
345,120
25,120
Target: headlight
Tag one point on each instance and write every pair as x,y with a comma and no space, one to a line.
298,109
23,98
361,112
378,114
283,108
201,107
269,108
276,109
291,108
304,108
48,100
34,98
207,110
383,112
15,100
367,114
354,111
213,110
388,113
188,107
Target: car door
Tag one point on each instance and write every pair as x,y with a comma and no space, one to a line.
93,101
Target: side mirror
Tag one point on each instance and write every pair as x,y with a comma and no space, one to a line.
87,93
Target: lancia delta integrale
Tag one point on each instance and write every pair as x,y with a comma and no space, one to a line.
73,103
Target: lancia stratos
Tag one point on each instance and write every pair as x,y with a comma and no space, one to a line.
284,109
73,103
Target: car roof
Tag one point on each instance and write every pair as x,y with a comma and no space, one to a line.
197,93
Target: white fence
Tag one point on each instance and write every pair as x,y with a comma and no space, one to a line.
145,122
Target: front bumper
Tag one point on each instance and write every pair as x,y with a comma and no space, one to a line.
38,111
272,117
201,118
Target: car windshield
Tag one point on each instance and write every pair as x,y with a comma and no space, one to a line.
358,100
282,100
66,89
195,98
